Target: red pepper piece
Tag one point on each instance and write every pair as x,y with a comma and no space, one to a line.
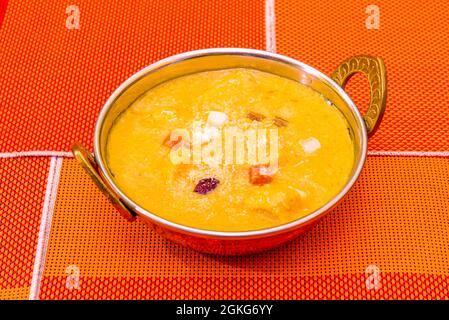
260,174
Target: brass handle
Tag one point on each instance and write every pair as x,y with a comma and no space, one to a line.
374,69
88,163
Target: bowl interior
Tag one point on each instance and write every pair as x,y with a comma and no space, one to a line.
216,59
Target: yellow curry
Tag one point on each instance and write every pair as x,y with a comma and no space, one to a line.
156,150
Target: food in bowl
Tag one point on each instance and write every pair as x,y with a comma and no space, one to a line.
159,150
262,171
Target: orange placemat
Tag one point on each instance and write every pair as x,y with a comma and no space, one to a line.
412,39
3,5
384,223
53,82
22,191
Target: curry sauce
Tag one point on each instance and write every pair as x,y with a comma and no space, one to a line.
314,150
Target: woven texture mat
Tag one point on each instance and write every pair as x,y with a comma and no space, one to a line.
388,239
382,223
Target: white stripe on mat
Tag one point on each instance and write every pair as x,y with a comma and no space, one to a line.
45,227
270,23
4,155
443,154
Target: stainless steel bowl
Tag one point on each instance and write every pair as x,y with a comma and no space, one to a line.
233,243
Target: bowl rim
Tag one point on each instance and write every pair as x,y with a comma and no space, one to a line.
230,234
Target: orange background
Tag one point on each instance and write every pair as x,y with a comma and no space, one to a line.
54,81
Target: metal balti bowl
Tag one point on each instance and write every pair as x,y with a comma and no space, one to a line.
331,88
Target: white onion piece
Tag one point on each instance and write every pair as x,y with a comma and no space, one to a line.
310,145
301,193
217,119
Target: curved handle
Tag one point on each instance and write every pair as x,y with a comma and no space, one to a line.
88,163
374,69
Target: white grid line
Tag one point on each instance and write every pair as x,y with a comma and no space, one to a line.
5,155
270,23
45,227
442,154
